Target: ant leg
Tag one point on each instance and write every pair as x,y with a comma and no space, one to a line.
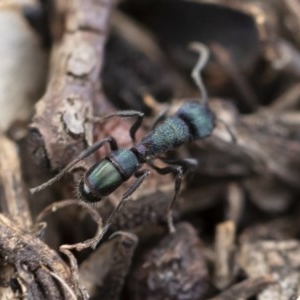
87,152
188,164
141,176
161,116
178,168
125,114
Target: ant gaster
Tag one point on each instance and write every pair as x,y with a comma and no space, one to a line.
193,121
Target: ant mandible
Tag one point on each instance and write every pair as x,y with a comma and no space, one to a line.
193,121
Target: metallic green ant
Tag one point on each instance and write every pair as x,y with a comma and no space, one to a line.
193,121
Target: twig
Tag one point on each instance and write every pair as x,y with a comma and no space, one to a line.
245,289
93,213
29,255
13,202
59,129
224,251
286,101
238,78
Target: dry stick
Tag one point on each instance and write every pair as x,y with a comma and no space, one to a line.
78,246
224,251
246,288
74,270
30,255
239,80
140,38
289,59
103,273
235,202
294,8
59,129
13,200
137,35
53,207
63,283
27,249
286,101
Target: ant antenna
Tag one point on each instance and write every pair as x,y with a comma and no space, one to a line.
196,72
196,75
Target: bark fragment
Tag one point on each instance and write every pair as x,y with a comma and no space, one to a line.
173,269
103,272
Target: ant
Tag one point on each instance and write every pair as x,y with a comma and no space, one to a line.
193,121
